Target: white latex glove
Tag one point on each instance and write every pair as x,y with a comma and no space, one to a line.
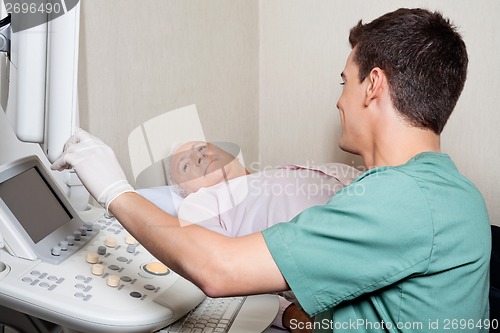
96,165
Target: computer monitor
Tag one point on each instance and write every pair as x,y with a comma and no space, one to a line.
45,213
35,216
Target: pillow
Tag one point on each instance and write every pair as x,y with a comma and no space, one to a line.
164,197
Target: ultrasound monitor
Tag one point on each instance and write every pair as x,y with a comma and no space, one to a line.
36,219
44,207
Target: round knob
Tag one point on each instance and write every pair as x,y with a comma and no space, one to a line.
101,250
70,239
92,258
77,234
113,281
63,245
97,269
56,251
156,268
110,242
89,226
129,239
131,248
83,230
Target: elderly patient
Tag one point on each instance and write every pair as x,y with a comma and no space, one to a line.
221,195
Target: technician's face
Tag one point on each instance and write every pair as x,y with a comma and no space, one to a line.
351,107
200,164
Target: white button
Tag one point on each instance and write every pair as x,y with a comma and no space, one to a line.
110,241
56,251
113,281
97,269
92,258
63,245
70,239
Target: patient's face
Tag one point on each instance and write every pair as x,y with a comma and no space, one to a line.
199,164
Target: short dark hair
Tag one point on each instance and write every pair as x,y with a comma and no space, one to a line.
424,58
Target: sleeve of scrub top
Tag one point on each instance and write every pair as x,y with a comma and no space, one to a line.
369,235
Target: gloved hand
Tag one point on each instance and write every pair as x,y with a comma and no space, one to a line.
96,165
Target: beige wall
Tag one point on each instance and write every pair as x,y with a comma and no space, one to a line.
265,74
139,59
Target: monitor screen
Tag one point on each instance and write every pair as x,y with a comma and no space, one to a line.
34,204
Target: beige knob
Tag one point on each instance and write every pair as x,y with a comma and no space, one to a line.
92,258
113,281
97,269
129,239
110,241
156,268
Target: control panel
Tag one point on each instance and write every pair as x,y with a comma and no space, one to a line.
111,284
80,270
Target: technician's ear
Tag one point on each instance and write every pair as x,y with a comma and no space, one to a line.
377,85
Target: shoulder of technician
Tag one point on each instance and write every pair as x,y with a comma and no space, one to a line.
390,224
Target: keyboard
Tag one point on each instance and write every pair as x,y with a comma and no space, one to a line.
228,314
212,315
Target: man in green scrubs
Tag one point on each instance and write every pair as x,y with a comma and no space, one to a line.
405,248
405,254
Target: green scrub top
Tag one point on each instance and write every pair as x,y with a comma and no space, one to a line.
402,249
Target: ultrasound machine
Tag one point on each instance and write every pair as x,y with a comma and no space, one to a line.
66,269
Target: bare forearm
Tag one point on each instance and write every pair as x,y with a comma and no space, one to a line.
217,264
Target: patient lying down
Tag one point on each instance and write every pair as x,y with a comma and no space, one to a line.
221,195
